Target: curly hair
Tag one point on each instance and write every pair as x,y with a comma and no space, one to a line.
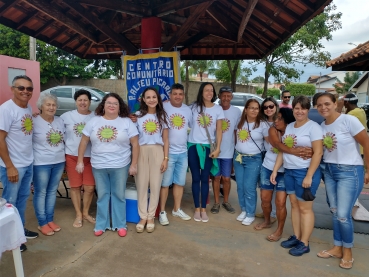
160,112
123,107
244,116
199,103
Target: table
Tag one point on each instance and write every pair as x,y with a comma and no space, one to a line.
12,236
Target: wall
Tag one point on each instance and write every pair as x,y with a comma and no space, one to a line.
32,70
117,86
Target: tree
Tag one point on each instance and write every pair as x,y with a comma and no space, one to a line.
301,89
304,47
258,79
349,79
231,72
200,67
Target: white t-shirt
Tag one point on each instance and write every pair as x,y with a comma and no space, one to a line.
270,155
302,136
198,132
18,123
179,119
48,141
244,144
149,129
229,122
110,140
340,146
74,123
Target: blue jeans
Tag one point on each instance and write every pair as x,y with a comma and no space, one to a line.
247,177
343,184
293,179
199,175
18,193
111,188
46,179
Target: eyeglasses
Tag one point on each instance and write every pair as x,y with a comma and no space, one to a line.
22,88
253,108
112,104
268,107
286,96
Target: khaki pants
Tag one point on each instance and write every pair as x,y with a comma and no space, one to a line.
149,175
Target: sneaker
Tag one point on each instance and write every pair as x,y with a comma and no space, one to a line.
233,176
291,242
98,233
30,234
228,208
122,232
215,208
204,217
248,220
299,250
241,217
197,216
181,214
163,219
23,247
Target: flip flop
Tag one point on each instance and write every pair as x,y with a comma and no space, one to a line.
346,264
273,238
258,227
273,220
90,219
77,222
326,255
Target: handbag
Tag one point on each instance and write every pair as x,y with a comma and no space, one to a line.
213,145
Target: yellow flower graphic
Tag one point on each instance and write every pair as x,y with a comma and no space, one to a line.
243,135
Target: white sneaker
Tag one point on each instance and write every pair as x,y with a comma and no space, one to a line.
248,220
181,214
242,216
163,219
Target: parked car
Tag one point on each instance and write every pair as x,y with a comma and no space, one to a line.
240,98
65,97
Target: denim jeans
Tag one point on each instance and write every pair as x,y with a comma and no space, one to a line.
199,175
111,189
247,177
343,184
18,193
46,179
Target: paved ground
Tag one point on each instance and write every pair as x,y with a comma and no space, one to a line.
221,247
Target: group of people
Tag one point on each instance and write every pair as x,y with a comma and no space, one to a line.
277,147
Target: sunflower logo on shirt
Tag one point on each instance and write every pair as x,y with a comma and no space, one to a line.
177,121
107,133
208,120
330,141
78,128
151,126
290,140
274,150
27,124
225,124
54,138
243,135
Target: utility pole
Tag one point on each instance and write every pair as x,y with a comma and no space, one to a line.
32,48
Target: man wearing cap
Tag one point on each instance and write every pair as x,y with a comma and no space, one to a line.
286,97
231,118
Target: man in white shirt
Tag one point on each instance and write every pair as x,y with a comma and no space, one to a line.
225,158
16,153
179,116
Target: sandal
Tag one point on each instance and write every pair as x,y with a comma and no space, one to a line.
150,227
273,238
346,264
77,222
46,230
259,226
326,255
54,227
89,219
140,227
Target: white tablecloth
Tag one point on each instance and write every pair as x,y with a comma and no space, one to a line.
11,229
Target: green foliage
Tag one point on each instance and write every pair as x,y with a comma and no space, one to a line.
274,92
301,89
259,91
304,47
200,67
258,79
349,79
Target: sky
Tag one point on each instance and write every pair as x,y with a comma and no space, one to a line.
355,29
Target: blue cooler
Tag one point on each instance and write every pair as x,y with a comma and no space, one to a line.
131,204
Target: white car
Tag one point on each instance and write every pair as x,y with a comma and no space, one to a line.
240,98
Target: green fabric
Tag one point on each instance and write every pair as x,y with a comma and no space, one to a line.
201,151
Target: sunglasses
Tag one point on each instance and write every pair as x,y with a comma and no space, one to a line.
22,88
286,96
268,107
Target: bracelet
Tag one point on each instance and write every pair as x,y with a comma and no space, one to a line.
166,158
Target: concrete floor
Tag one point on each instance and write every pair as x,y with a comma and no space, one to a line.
221,247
